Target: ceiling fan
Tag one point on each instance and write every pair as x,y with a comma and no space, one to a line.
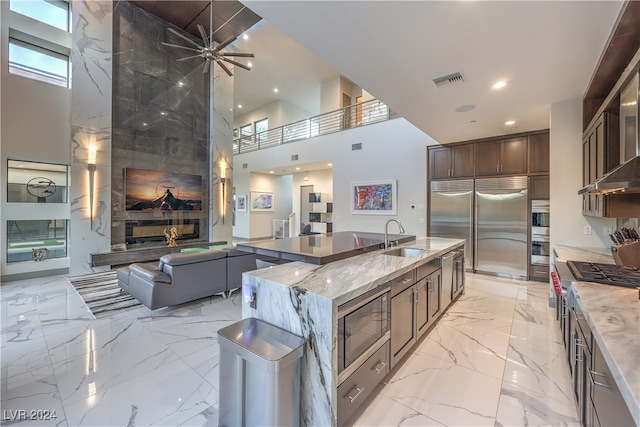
209,51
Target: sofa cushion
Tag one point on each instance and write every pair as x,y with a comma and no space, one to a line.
150,273
192,257
231,252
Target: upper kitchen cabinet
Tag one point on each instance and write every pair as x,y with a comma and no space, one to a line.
539,153
501,157
600,147
455,161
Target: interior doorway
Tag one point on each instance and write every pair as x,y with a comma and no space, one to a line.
305,205
346,103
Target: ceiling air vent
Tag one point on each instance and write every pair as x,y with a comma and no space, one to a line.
357,146
244,166
449,79
294,157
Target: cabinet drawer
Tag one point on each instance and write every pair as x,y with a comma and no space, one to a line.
355,389
401,283
539,272
428,268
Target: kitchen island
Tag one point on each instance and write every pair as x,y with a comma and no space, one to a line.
613,316
322,248
304,299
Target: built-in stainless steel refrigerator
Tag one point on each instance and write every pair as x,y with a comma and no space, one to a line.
451,213
500,238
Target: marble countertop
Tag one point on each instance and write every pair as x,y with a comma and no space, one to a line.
613,313
322,248
570,253
343,280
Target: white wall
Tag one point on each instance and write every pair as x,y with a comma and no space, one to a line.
279,113
322,181
567,222
35,126
394,149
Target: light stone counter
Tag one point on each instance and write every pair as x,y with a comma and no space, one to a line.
304,298
613,313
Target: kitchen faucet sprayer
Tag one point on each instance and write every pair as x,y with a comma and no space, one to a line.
386,231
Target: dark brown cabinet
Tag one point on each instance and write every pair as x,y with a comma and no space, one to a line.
451,162
539,153
600,148
539,187
501,157
611,205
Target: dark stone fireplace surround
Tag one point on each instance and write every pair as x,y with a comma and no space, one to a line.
160,117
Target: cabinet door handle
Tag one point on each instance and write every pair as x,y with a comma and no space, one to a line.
405,281
501,168
380,366
451,172
358,390
497,168
415,298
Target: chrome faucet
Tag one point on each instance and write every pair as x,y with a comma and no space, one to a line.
386,231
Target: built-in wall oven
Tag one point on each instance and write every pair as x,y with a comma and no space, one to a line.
363,327
540,222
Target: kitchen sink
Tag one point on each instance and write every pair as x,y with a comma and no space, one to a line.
407,252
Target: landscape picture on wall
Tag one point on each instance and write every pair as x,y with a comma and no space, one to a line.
377,197
148,190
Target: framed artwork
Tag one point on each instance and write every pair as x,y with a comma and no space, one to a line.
147,190
374,197
241,203
261,201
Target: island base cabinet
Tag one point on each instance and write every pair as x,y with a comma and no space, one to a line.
355,389
609,405
403,331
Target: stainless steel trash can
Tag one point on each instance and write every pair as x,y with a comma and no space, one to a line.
259,375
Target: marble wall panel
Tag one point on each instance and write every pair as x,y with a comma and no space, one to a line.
91,60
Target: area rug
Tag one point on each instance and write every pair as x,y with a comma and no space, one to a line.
101,293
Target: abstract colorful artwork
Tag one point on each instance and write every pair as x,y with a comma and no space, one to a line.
261,201
377,198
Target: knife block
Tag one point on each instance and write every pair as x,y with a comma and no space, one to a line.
627,254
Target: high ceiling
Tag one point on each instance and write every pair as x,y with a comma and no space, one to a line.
545,50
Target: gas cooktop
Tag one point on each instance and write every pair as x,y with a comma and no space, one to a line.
607,274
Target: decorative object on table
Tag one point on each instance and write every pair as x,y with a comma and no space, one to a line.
374,197
209,51
261,201
101,293
39,254
241,203
147,190
172,236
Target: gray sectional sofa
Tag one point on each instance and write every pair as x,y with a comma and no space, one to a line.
182,277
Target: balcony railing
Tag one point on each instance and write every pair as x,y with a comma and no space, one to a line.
350,117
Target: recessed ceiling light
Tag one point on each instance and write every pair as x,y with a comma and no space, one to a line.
329,164
275,89
180,84
245,37
499,84
297,169
239,105
465,108
249,64
270,171
510,122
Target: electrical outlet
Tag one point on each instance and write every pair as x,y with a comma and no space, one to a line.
608,230
587,229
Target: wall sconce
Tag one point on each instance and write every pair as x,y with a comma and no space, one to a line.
91,167
223,181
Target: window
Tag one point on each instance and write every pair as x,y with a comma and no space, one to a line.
245,134
51,12
262,126
37,240
32,182
37,63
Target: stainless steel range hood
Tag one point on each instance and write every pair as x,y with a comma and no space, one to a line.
625,177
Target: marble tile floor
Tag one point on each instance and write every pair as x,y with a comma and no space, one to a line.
495,358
